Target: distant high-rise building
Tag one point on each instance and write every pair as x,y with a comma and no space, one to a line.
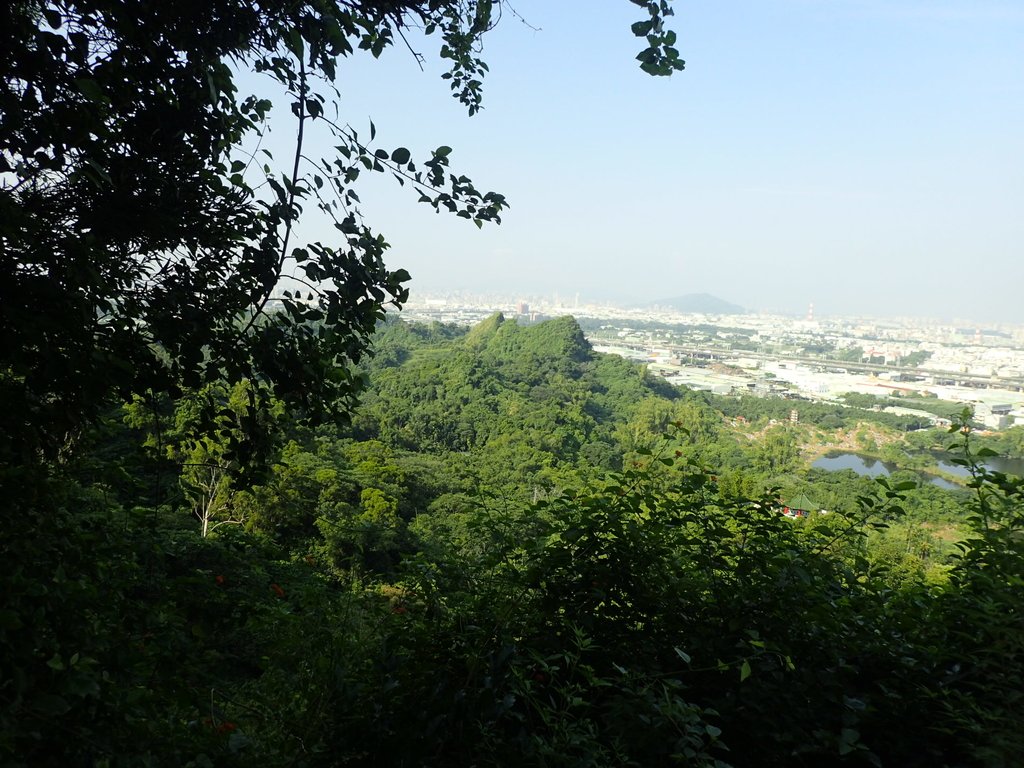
810,312
522,308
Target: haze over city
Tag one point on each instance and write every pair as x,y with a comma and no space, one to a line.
863,155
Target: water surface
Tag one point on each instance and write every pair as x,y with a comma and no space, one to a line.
866,466
992,463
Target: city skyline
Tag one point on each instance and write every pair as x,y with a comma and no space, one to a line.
569,298
864,155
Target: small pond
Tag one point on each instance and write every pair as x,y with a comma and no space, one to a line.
862,465
869,467
993,463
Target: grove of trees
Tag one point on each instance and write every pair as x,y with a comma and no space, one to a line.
512,551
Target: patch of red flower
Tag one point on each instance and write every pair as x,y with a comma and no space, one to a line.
220,581
277,590
226,727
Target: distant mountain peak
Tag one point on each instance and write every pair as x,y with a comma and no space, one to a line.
703,303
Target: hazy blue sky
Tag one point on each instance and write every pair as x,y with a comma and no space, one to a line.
866,155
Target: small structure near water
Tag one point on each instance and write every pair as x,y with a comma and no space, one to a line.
799,506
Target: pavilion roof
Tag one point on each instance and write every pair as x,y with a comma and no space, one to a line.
802,502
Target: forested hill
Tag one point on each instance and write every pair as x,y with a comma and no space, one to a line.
529,396
535,404
520,552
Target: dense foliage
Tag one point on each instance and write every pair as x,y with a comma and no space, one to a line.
521,552
517,551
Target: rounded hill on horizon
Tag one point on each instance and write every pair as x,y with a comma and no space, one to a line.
703,303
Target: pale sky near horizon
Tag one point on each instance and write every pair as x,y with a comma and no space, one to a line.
866,155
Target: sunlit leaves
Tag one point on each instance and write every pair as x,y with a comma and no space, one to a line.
661,57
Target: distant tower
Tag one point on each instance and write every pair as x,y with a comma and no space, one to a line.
977,335
810,312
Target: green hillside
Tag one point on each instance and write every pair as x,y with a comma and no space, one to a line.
538,390
518,551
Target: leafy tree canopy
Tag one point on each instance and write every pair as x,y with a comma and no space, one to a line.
142,231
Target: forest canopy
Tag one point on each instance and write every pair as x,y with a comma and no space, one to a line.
516,551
